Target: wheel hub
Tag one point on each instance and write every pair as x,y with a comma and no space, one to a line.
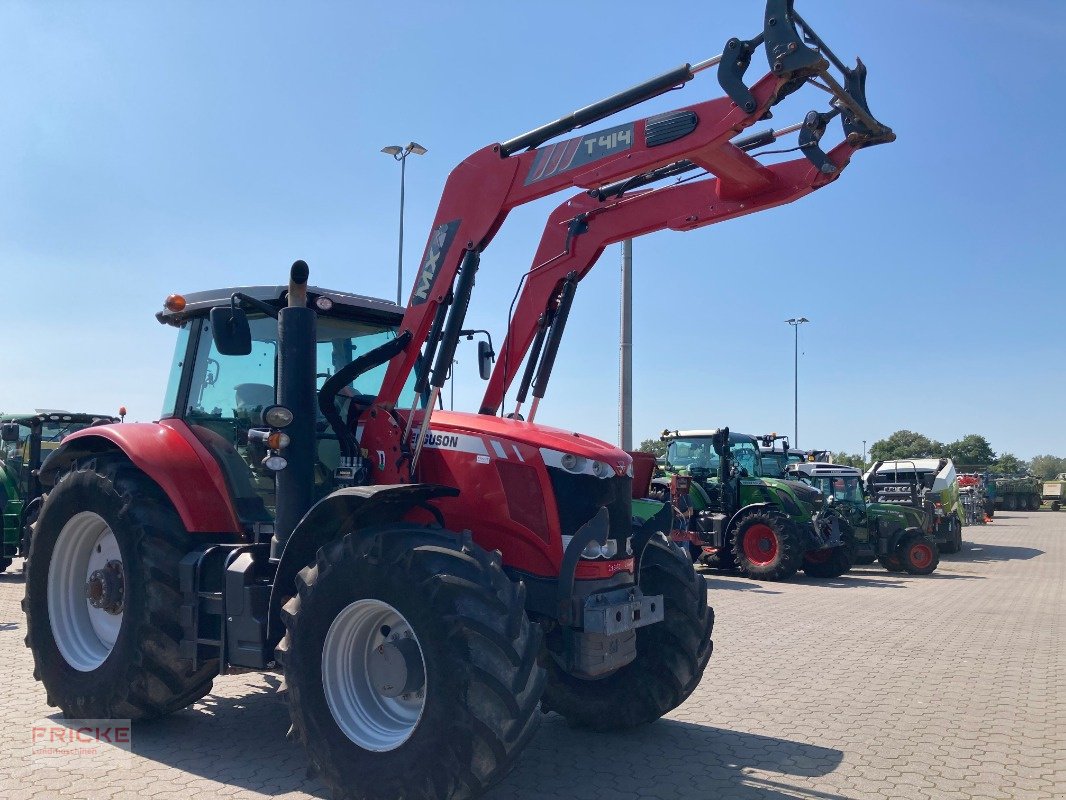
921,555
395,667
760,544
374,675
105,588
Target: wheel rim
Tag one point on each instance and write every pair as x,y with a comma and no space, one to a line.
819,556
760,544
373,675
86,586
921,555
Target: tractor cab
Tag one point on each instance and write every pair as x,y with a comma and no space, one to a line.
222,397
693,452
26,440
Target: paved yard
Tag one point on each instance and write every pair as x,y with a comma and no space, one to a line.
875,685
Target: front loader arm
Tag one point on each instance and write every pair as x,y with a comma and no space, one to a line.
482,190
578,231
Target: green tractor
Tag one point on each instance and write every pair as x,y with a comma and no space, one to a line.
731,516
899,537
28,439
776,459
927,484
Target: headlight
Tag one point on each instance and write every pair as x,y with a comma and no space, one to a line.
595,549
599,469
275,463
572,463
277,416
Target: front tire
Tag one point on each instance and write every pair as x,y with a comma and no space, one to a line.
102,598
765,546
919,554
834,562
432,611
671,655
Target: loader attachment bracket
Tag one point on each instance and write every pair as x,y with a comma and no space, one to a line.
785,50
809,137
736,57
857,132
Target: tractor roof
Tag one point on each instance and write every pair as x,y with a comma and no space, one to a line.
56,416
819,469
912,465
702,433
197,303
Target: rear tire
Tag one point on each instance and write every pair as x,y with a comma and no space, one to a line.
834,562
671,655
137,674
919,554
765,546
1034,503
1055,505
478,652
954,537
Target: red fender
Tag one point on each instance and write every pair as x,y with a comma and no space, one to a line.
169,454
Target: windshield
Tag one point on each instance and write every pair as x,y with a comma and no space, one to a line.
775,462
846,489
698,453
227,393
237,387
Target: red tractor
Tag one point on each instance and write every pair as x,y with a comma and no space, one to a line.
424,579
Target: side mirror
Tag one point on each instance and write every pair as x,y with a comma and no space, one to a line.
9,432
230,331
485,358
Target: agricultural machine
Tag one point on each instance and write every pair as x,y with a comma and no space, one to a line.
1017,493
28,439
1054,491
926,484
424,579
898,537
768,528
977,504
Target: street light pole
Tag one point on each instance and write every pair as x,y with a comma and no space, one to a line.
864,455
401,154
795,322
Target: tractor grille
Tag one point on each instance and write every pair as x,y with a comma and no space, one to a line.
580,497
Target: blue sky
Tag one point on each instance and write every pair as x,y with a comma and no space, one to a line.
150,148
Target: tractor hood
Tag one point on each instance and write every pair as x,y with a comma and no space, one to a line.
546,437
804,492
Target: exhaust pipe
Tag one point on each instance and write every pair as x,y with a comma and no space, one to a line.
296,391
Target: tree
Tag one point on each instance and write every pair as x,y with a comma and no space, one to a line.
848,459
656,446
970,451
905,444
1008,464
1047,467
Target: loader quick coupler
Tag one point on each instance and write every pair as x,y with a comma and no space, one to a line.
810,135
